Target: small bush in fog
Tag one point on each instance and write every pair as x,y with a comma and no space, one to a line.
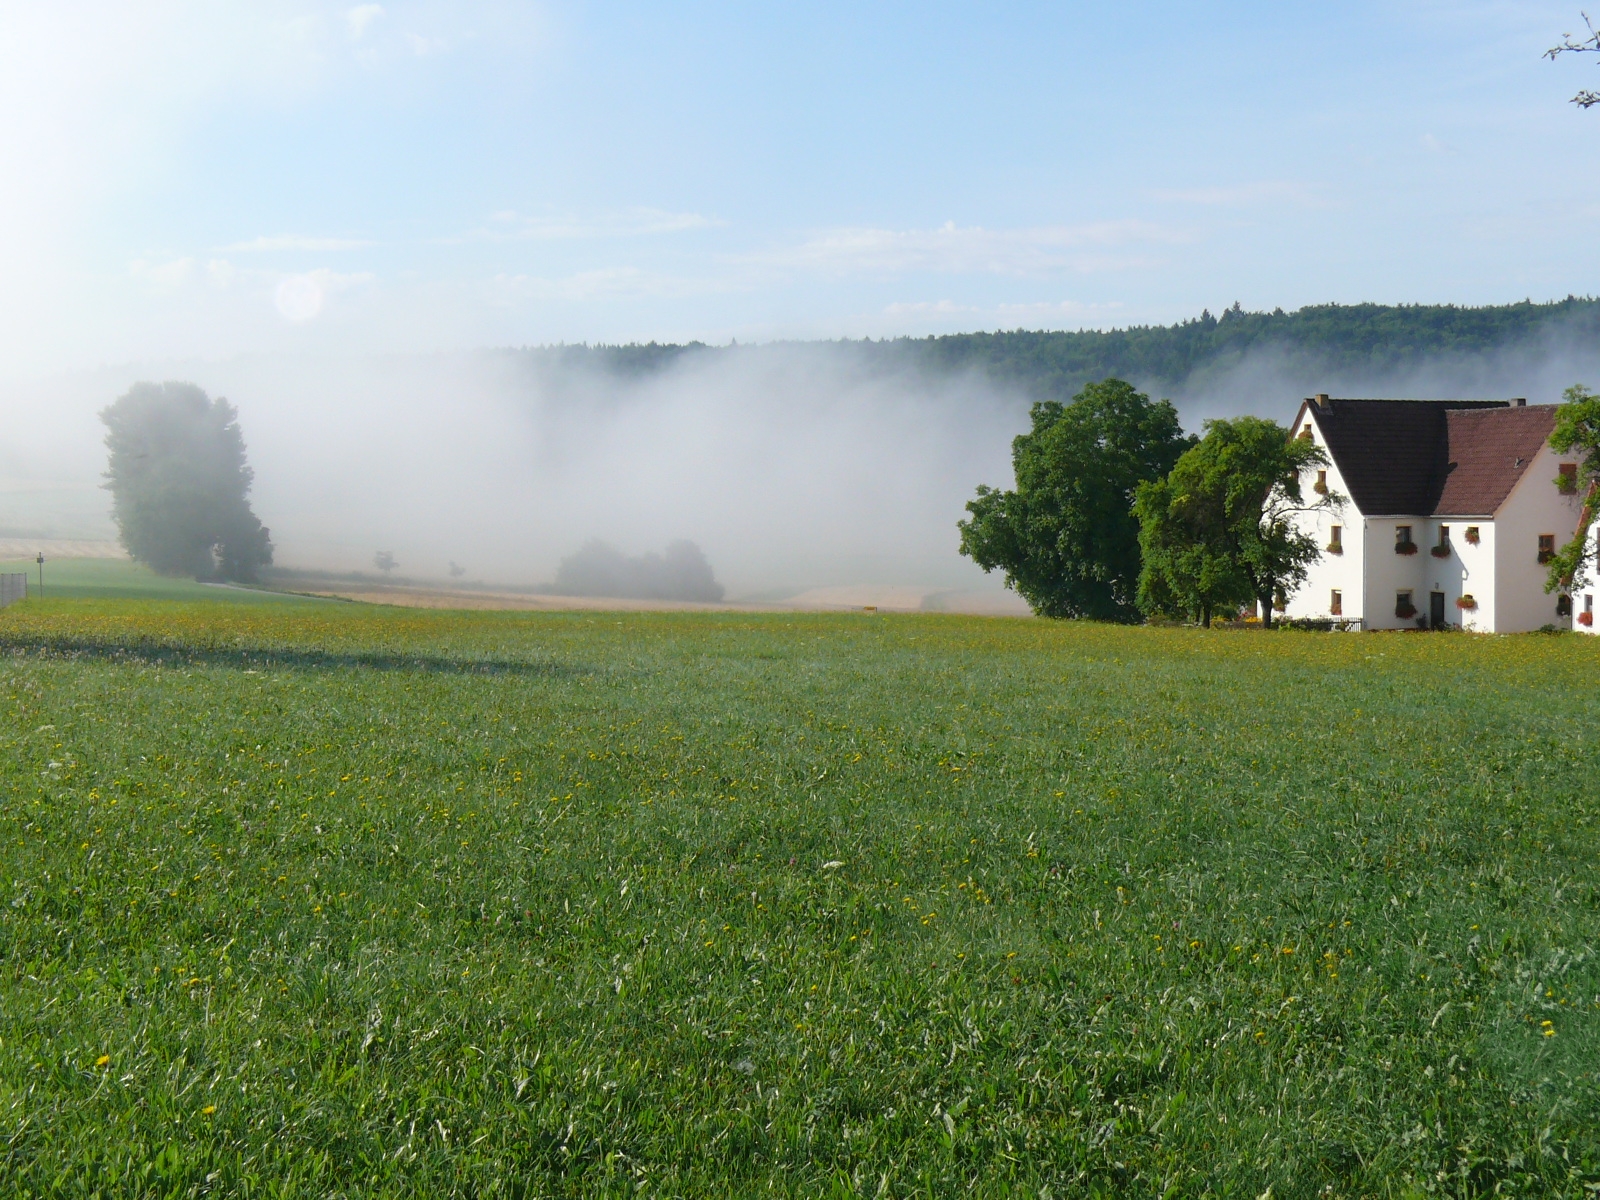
682,573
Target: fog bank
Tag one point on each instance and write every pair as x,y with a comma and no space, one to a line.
792,467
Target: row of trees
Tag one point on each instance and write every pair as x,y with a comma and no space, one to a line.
1118,515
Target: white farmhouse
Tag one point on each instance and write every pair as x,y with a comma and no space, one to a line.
1452,508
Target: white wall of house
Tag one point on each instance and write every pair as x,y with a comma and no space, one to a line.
1587,598
1332,572
1389,573
1535,506
1474,573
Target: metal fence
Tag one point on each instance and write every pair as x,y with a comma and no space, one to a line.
13,587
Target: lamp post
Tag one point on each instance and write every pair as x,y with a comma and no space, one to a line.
40,561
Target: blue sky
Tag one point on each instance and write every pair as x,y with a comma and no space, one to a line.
182,178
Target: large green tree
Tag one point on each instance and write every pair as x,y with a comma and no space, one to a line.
1067,538
1187,568
180,484
1220,529
1577,428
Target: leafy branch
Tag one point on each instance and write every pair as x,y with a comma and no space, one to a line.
1588,45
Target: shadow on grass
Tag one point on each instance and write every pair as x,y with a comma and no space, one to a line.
258,658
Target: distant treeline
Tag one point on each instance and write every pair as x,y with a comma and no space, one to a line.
1057,365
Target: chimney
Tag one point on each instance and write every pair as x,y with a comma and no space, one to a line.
1522,402
1322,400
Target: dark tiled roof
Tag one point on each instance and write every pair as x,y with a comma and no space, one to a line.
1488,452
1393,454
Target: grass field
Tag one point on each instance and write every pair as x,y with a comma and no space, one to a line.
103,578
335,900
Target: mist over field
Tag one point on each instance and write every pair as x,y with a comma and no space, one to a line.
792,466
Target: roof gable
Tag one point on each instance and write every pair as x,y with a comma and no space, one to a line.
1487,452
1394,454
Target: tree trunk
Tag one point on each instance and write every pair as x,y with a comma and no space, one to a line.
1265,600
1205,615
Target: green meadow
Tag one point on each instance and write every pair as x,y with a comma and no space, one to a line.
102,578
309,899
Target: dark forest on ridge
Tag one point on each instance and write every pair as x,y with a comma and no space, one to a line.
1048,364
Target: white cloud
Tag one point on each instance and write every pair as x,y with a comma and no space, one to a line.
969,250
605,284
163,277
359,17
423,46
1270,191
1043,314
290,241
619,223
299,298
928,308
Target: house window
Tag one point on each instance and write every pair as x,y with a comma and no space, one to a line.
1547,547
1403,608
1321,486
1567,479
1472,534
1402,540
1336,603
1586,617
1305,434
1336,539
1442,550
1563,606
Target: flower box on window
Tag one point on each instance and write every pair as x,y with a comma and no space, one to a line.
1441,551
1466,603
1472,534
1405,547
1333,548
1586,618
1405,611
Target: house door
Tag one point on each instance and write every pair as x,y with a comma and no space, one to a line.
1435,610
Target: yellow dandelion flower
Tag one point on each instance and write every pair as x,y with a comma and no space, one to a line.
102,1060
208,1110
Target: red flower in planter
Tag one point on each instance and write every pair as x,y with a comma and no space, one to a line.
1586,618
1466,602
